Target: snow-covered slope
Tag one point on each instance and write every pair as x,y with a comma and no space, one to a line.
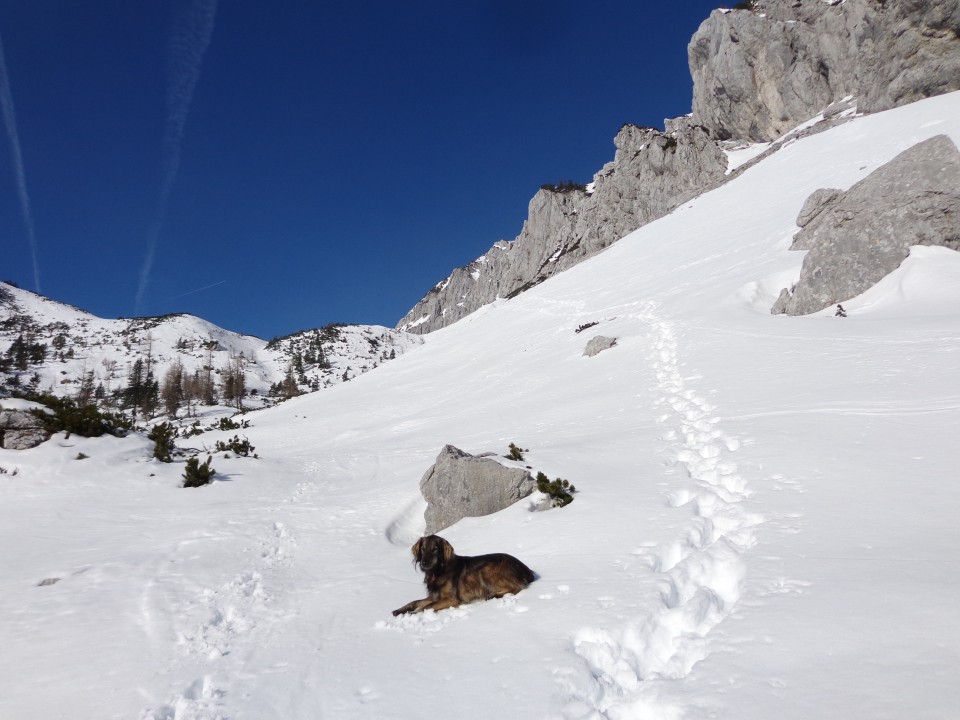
765,524
78,343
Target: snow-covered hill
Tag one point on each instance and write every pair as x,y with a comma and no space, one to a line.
77,345
765,524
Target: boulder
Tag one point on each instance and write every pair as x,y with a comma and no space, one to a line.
21,430
461,485
860,236
814,205
598,344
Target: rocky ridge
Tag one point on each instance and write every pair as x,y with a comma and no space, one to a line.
652,173
757,73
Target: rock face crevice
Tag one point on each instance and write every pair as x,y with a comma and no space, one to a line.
855,238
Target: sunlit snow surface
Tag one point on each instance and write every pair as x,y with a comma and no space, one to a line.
766,524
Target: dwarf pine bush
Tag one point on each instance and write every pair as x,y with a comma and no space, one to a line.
515,453
162,436
196,475
236,446
560,491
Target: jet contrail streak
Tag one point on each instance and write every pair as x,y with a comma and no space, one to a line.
192,292
191,37
10,120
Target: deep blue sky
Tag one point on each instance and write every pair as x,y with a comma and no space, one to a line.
337,159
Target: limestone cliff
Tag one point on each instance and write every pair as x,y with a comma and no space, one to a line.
757,73
761,71
652,172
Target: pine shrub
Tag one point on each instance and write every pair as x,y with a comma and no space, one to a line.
162,436
196,475
236,446
560,491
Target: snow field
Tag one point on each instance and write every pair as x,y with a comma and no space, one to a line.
765,524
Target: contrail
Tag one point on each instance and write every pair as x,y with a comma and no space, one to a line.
192,292
189,42
10,120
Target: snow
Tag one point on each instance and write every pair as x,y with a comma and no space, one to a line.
18,404
107,348
765,524
741,155
744,153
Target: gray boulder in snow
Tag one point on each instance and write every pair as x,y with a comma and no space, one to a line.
760,72
21,430
860,236
460,485
598,344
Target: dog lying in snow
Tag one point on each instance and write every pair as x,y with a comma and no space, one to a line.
453,579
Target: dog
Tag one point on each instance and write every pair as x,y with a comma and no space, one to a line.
453,580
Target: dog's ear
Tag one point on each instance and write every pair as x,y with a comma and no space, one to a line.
447,551
417,549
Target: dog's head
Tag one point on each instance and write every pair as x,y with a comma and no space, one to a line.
432,553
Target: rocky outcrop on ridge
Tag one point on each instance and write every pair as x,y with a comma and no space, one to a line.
856,238
757,73
460,485
760,72
652,173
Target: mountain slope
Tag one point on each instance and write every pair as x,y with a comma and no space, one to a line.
78,344
765,523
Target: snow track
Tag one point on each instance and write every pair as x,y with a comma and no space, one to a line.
216,628
699,573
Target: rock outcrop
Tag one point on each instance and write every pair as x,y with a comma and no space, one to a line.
760,72
652,173
757,74
460,485
598,344
856,238
21,430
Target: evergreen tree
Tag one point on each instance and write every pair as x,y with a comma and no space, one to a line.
85,395
289,388
134,391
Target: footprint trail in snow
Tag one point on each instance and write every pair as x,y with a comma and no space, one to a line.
220,624
699,572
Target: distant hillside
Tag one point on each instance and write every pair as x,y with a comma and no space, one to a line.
48,346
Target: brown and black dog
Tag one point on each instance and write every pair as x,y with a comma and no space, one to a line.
453,579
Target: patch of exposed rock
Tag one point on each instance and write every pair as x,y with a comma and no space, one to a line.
758,73
651,174
460,485
598,344
21,430
855,238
